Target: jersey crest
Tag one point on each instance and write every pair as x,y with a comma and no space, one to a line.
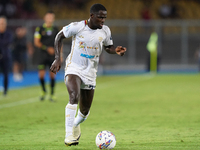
82,46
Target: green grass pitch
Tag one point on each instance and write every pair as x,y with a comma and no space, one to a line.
145,112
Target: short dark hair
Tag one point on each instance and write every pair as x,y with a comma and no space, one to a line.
50,12
96,8
4,17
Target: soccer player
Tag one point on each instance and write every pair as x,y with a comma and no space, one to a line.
5,54
44,40
89,38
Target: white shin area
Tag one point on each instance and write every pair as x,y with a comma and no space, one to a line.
70,112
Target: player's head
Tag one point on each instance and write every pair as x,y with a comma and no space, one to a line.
20,32
98,14
49,18
3,24
96,8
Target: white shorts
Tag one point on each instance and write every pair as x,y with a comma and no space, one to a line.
86,83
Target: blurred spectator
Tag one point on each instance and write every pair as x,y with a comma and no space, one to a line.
10,10
145,13
165,10
168,10
28,9
17,9
174,10
2,9
153,56
146,16
20,47
5,55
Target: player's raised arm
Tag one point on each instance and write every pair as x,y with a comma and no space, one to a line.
56,65
119,50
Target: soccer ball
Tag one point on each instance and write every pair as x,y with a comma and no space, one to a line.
105,140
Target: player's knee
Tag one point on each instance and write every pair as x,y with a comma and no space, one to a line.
74,98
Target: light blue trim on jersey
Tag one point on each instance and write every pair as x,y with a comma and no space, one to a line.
67,27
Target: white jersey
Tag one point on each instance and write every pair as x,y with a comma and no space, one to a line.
87,45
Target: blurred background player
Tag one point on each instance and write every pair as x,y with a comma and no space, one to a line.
19,53
5,53
44,40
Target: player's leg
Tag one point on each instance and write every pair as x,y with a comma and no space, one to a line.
5,69
17,76
73,83
42,64
84,106
83,112
41,74
52,78
52,85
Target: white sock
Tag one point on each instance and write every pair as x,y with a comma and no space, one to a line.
70,112
80,118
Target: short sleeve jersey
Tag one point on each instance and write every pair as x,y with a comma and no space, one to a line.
46,35
87,45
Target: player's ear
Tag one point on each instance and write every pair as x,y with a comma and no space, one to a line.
91,15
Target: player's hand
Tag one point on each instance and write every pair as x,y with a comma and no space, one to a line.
50,50
120,50
56,65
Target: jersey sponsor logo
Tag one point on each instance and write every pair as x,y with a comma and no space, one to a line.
87,56
82,46
89,47
49,32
